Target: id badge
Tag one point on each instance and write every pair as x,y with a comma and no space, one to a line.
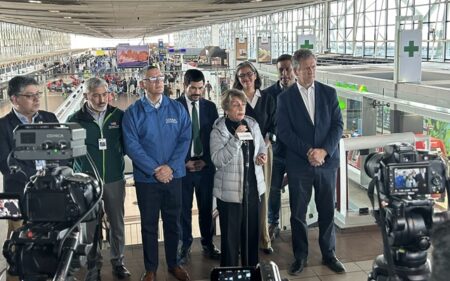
102,144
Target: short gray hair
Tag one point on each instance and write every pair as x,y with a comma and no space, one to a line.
229,94
300,55
93,83
146,69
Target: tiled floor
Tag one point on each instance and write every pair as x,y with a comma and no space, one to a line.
355,249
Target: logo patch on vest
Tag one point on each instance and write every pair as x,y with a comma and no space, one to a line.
114,125
171,121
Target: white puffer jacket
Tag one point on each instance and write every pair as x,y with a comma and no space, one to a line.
227,156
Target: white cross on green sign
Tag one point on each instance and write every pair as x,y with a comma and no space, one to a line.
307,45
410,49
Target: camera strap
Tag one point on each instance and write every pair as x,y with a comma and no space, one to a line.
381,220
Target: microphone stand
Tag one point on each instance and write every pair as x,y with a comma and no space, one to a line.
246,192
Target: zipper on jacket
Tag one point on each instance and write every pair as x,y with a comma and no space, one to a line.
159,129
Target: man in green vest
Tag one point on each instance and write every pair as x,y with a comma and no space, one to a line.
104,142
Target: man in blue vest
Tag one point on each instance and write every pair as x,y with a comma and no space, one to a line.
157,134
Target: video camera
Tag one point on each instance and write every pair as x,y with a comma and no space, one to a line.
406,180
54,203
264,271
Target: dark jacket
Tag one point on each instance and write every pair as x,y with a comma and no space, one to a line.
208,114
279,150
299,134
264,113
109,163
15,183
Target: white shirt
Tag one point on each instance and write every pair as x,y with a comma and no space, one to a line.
253,102
309,99
197,107
157,104
40,164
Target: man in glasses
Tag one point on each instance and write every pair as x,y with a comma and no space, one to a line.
157,135
104,143
24,95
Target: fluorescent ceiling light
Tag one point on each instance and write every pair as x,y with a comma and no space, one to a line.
35,1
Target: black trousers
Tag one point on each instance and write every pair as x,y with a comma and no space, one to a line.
202,183
153,198
300,190
234,234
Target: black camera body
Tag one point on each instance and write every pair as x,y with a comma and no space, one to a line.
405,171
54,203
264,271
406,181
60,196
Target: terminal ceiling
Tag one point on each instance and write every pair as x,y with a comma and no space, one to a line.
134,18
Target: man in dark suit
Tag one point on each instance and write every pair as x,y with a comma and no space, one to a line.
286,79
310,125
199,168
24,94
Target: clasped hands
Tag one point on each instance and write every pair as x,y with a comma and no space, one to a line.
195,165
164,173
316,156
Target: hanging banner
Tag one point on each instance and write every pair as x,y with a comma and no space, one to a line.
264,50
241,48
306,42
410,56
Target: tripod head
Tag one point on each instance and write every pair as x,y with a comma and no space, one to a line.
406,213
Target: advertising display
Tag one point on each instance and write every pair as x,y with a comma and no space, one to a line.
132,56
264,50
241,48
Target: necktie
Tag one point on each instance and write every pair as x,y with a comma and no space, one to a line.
196,142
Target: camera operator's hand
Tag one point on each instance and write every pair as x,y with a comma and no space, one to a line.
316,156
164,173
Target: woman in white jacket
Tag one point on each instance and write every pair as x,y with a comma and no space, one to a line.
239,179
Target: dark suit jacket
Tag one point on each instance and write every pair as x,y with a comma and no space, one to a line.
264,113
279,150
208,114
16,183
297,132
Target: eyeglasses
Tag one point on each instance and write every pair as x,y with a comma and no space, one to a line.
31,96
154,79
248,74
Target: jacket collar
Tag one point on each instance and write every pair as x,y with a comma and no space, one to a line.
148,107
83,113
